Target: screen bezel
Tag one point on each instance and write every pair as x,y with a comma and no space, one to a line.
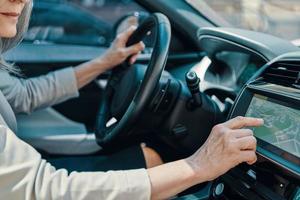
267,150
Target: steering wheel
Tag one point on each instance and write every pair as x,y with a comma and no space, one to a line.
127,92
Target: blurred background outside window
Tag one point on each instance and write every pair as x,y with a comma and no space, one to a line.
277,17
78,22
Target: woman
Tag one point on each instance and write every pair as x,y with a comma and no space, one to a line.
25,175
27,95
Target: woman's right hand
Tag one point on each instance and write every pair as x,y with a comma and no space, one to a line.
228,145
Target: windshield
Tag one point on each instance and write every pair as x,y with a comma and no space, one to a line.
277,17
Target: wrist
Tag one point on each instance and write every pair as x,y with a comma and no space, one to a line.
99,65
190,173
202,172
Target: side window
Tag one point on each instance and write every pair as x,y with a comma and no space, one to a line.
80,22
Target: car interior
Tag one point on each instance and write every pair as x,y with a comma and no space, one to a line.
193,74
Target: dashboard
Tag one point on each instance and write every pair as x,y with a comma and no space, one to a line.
273,94
263,80
233,69
222,75
227,70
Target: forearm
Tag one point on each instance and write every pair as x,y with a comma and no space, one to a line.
27,95
88,71
172,178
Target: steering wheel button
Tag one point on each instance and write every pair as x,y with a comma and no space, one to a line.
179,131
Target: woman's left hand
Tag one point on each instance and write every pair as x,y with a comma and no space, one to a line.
115,55
118,52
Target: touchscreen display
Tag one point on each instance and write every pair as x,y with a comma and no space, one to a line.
282,123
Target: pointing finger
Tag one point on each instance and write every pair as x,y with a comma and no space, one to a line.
240,122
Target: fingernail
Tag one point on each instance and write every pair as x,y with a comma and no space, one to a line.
131,61
133,27
261,120
143,144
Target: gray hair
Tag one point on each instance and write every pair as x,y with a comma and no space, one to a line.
9,43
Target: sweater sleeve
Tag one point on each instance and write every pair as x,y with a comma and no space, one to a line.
27,95
25,175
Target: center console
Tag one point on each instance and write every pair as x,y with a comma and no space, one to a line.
274,95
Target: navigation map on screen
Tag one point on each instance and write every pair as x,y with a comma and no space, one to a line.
282,124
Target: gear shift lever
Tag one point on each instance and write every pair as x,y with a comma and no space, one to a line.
193,82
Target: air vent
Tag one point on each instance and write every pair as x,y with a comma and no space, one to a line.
287,73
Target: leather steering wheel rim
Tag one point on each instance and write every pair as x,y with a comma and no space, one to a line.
105,136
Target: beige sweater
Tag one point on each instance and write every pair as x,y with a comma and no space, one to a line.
24,175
